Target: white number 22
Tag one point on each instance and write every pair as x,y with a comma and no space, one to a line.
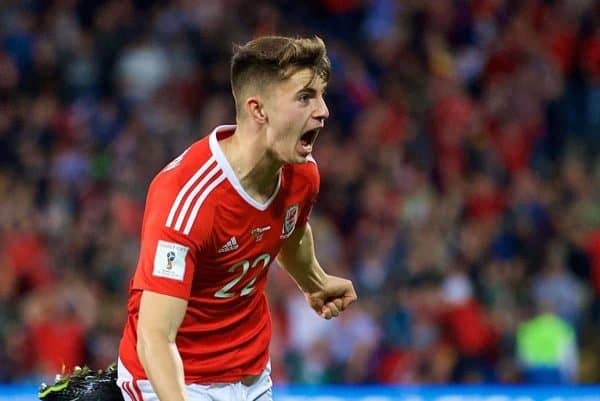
263,260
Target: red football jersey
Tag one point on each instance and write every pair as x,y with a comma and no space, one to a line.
204,239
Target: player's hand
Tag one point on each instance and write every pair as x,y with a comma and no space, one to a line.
333,299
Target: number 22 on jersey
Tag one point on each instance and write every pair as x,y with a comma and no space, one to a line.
245,265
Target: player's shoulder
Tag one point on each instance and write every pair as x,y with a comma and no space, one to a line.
196,155
183,192
194,166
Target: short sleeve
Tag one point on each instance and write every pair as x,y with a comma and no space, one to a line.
168,257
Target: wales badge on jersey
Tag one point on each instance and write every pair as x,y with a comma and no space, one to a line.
290,220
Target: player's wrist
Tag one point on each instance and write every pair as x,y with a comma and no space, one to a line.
315,281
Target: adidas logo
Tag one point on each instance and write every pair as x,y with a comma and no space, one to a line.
229,246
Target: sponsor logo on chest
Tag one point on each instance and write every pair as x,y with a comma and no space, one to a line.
258,232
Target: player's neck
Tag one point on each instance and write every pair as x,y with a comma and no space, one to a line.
256,170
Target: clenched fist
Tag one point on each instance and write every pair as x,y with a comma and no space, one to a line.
337,294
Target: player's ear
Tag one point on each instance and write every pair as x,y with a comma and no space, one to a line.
256,109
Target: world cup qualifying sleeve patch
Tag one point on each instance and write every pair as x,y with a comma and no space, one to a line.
169,261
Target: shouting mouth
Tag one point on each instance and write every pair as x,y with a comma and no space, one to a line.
307,141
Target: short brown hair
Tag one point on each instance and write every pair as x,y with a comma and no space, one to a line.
271,59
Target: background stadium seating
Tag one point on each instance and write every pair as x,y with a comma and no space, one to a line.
460,180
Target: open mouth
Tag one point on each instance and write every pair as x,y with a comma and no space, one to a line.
309,137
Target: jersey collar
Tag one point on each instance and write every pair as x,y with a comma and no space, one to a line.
217,152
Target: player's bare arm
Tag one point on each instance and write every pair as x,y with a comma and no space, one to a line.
159,320
327,295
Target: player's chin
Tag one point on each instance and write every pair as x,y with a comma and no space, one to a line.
301,153
298,159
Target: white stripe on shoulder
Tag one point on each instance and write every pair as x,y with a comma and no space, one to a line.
200,201
311,159
188,200
186,188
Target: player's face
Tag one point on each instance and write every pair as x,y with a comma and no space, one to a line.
297,111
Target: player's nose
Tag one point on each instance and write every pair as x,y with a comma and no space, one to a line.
322,111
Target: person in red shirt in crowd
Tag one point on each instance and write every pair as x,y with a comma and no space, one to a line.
216,217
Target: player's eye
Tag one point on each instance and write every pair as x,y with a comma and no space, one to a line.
304,97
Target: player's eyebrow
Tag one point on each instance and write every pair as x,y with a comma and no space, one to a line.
311,90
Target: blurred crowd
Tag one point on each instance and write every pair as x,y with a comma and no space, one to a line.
460,179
